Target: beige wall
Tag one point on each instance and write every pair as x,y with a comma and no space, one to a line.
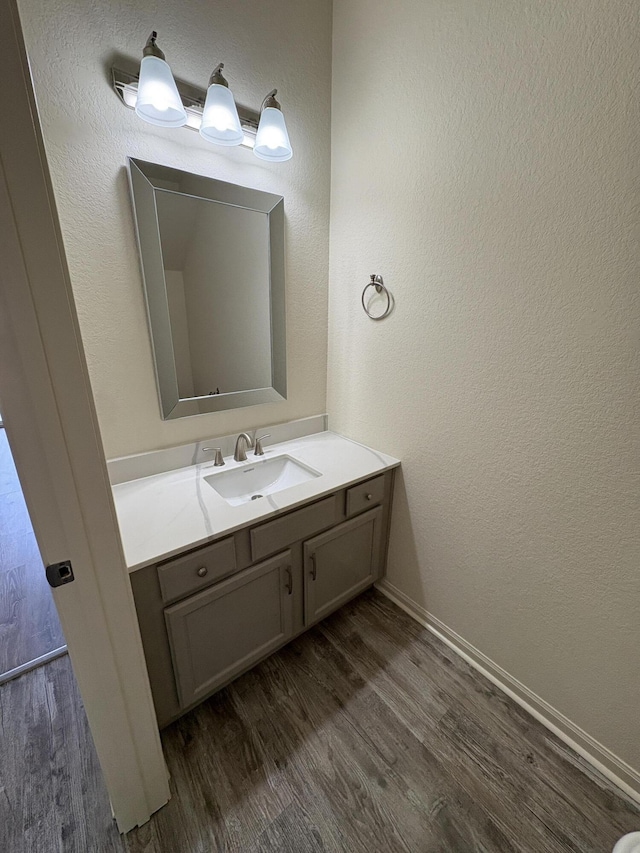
486,161
89,134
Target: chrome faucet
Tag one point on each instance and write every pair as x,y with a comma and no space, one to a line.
242,442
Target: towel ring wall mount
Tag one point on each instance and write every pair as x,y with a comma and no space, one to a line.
377,282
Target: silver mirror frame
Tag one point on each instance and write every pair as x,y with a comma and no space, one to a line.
144,179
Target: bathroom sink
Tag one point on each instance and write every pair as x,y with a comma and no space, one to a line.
256,480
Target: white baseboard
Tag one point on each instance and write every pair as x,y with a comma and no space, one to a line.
598,756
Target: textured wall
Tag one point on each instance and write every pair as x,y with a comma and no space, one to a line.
486,160
89,134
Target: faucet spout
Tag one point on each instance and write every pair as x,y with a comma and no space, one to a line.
242,442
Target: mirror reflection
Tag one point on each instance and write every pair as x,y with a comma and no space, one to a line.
216,269
213,265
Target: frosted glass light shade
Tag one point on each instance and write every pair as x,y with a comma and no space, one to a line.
272,139
158,100
220,122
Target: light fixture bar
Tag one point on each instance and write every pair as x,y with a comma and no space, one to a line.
125,84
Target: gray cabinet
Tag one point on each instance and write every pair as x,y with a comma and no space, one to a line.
222,631
209,614
341,563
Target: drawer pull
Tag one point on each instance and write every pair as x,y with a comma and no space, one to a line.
203,571
314,568
289,580
369,496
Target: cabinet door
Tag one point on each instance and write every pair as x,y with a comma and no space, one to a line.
218,633
341,563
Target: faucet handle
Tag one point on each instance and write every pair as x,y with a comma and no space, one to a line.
219,461
259,451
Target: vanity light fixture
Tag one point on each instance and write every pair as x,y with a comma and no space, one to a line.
272,139
158,101
220,122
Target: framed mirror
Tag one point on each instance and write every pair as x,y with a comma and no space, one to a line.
212,256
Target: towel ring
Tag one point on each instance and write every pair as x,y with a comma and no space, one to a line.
376,281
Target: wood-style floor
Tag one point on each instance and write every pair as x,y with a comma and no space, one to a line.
366,734
29,624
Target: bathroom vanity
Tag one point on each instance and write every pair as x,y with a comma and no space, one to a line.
268,568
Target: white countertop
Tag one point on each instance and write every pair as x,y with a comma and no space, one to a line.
162,515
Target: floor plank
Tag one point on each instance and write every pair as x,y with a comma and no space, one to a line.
29,624
366,734
291,832
53,795
504,736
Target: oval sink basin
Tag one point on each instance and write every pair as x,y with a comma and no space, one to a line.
255,480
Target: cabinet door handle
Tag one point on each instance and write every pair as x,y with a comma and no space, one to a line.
289,580
314,567
203,571
369,496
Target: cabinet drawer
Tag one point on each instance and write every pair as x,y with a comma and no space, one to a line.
276,535
365,495
194,571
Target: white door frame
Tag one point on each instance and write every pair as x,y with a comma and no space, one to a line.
49,415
